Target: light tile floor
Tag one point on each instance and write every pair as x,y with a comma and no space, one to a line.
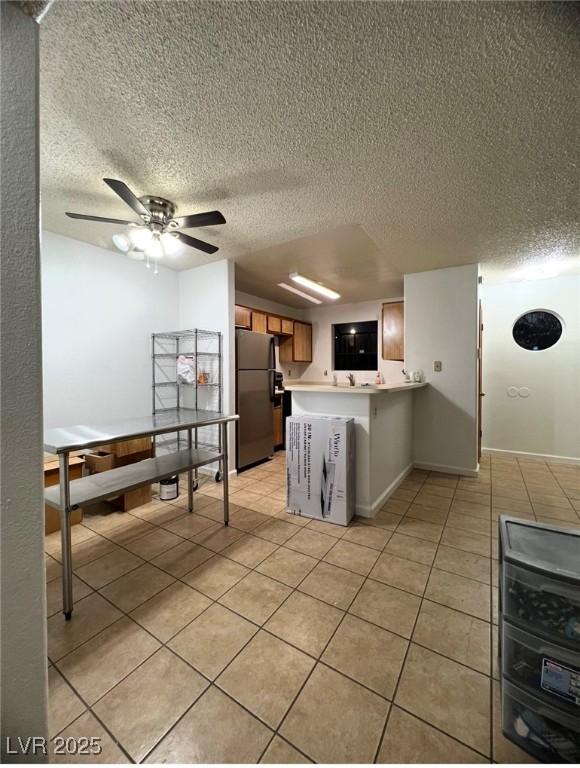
281,639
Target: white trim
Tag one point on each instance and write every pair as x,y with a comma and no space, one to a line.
532,456
370,511
449,469
208,472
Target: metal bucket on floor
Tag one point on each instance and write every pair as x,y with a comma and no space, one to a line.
169,488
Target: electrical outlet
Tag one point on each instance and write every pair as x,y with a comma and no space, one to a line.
437,366
326,373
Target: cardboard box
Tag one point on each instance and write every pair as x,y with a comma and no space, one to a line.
320,456
51,477
99,461
130,452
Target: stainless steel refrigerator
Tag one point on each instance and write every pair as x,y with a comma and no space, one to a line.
255,386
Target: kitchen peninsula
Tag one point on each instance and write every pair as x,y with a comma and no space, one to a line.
383,416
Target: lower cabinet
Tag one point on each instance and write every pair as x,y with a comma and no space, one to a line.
278,426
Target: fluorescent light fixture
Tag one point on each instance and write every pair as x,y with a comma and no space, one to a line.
122,242
299,293
140,237
316,287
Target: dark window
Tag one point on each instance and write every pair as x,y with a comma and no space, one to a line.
537,330
356,346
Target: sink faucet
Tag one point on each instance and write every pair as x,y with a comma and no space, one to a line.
350,377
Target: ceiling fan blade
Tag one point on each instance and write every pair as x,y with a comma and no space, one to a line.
121,189
200,220
195,243
97,218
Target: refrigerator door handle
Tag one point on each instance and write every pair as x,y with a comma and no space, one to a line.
273,385
272,353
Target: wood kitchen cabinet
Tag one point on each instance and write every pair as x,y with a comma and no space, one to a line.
278,426
243,317
298,347
259,322
393,331
291,351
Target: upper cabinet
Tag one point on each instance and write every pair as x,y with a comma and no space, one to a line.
295,336
259,322
393,331
302,342
243,317
298,347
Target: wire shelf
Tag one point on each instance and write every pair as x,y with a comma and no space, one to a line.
171,391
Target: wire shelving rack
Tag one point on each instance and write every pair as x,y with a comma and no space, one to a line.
187,373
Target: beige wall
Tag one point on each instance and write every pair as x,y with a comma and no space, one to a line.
23,696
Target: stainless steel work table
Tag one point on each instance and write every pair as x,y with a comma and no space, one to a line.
70,494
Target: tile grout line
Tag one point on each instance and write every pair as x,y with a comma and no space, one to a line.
317,660
410,643
163,644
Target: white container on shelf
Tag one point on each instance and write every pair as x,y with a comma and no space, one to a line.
320,455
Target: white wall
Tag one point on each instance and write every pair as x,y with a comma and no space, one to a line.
23,696
548,421
207,301
441,320
256,302
99,311
323,318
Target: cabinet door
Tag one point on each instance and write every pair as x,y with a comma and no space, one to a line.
243,317
274,324
393,331
277,424
286,350
259,322
302,342
287,327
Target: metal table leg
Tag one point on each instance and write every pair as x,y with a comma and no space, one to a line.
224,471
65,536
189,476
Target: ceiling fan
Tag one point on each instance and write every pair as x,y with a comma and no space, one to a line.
159,229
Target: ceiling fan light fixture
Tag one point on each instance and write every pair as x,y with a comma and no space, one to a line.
122,242
140,237
154,250
328,293
170,244
158,233
299,293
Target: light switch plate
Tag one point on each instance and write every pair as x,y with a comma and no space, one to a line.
437,366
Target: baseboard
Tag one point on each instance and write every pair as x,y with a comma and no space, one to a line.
531,456
448,469
207,471
370,511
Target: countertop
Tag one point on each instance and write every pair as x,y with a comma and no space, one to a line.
373,389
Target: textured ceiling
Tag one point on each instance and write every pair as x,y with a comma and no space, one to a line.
428,134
